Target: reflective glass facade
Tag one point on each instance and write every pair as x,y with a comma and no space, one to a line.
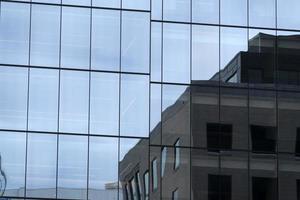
150,99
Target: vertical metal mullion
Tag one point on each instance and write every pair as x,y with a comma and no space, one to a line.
89,104
28,93
58,105
190,99
119,123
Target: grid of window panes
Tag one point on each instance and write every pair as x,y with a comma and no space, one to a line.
150,99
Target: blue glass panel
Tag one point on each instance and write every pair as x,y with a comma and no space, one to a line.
205,11
77,2
234,12
14,33
106,40
288,15
138,5
74,102
45,35
104,108
107,3
262,13
156,55
75,47
43,100
177,10
135,42
13,98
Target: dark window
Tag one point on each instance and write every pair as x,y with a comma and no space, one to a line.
219,136
264,188
219,187
297,149
263,139
255,76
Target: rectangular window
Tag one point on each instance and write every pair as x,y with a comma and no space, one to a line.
105,40
45,35
175,195
163,160
14,31
72,167
75,38
13,98
104,108
264,188
135,42
134,105
176,64
219,187
43,99
219,136
177,154
128,191
177,10
234,12
41,165
146,185
298,189
263,139
134,189
139,184
74,100
205,11
154,174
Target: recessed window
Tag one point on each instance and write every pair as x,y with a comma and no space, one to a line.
175,195
146,185
139,184
263,139
154,175
219,187
177,155
264,188
134,189
219,136
163,160
128,192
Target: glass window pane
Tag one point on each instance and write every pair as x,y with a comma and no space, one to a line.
134,105
206,11
135,42
12,156
138,5
14,33
104,104
47,1
156,47
77,2
177,10
155,114
107,3
103,168
75,47
205,49
234,41
41,165
74,101
156,9
45,35
176,114
176,64
288,15
72,167
262,13
234,12
13,98
43,100
106,40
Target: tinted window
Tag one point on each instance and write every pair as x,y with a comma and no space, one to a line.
156,47
107,3
219,136
138,5
74,100
154,174
206,11
134,105
41,165
177,10
264,139
234,12
13,98
135,42
288,15
45,35
106,40
176,64
43,100
264,188
72,167
75,44
13,151
262,13
14,30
